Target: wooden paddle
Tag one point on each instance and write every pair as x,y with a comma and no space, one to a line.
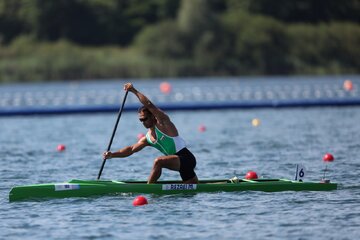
113,133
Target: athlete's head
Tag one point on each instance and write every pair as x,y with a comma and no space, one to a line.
146,117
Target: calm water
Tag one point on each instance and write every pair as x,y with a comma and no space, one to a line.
230,144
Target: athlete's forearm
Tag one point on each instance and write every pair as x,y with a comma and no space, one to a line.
142,98
124,152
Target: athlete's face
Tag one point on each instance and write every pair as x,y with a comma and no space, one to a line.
147,119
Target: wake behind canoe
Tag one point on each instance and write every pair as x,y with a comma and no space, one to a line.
86,188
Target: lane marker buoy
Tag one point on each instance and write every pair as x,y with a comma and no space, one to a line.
139,201
255,122
328,157
348,85
165,87
61,147
140,136
202,128
251,175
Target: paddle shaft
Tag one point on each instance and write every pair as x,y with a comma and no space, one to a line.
113,133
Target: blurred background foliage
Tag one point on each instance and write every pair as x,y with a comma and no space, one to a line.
94,39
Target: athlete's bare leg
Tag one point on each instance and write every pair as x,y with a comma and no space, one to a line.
171,162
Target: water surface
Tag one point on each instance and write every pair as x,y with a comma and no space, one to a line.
230,145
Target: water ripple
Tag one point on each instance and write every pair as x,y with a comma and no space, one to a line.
285,137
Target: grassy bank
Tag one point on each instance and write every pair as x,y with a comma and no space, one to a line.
27,61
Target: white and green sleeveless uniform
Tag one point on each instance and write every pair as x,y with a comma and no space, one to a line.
166,144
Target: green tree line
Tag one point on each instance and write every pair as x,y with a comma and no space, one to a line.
93,39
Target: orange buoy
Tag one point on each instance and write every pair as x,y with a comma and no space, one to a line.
61,147
165,87
328,157
251,175
139,201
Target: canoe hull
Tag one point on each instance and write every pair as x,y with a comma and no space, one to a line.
86,188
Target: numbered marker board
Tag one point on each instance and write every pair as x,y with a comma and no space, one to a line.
300,173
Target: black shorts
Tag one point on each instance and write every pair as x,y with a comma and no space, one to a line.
187,164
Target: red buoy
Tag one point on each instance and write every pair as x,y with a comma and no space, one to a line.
61,147
140,136
202,128
251,175
139,201
328,157
348,85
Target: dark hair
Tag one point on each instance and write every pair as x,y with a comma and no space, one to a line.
144,109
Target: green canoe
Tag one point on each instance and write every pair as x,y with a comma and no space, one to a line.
85,188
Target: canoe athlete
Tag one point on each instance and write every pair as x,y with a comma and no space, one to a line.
162,135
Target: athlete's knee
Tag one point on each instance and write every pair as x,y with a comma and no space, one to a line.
158,162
